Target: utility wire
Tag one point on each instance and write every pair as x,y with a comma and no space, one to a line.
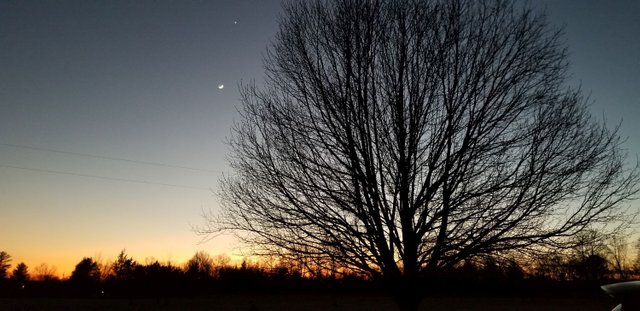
110,158
102,177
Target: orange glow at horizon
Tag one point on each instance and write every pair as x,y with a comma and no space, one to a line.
64,266
173,251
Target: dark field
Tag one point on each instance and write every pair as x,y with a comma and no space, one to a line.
309,302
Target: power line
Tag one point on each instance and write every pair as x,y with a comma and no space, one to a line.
101,177
103,157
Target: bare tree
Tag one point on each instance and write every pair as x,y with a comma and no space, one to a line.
397,138
44,272
617,249
588,243
636,262
221,260
200,266
550,266
589,261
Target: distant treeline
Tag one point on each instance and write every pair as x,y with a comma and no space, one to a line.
201,275
594,261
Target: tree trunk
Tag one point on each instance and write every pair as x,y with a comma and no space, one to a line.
406,294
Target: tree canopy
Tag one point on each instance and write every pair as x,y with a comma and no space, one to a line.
87,271
20,273
398,138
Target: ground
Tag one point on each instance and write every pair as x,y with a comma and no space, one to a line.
309,302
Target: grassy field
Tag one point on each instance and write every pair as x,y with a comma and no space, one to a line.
307,302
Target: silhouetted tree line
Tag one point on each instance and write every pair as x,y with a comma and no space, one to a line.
593,260
201,275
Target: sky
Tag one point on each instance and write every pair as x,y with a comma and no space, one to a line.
112,122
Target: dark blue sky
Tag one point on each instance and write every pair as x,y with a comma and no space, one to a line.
132,77
138,80
603,38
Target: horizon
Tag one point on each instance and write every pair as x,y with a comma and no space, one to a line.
106,261
112,123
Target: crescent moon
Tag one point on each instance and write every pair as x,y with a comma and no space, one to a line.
221,86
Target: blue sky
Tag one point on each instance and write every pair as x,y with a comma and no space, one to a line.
138,80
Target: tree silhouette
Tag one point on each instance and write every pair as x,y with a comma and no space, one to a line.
20,273
158,280
221,261
399,138
44,272
86,272
123,268
617,249
200,266
5,260
551,267
636,262
591,268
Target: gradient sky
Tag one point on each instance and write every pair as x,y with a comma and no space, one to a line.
137,80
